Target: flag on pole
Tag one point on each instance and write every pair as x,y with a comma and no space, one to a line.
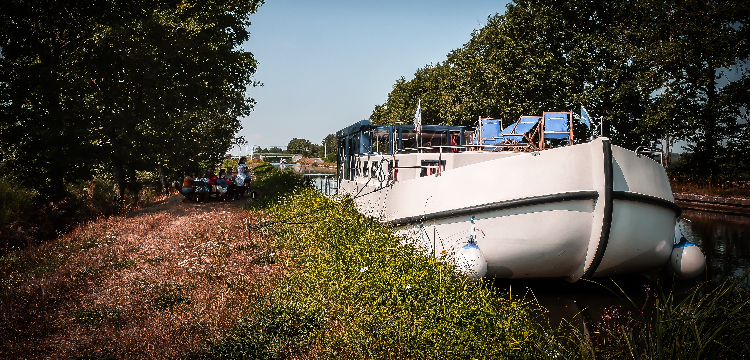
585,119
418,118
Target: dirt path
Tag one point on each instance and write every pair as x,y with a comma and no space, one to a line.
155,283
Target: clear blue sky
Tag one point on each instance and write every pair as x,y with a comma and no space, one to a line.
325,64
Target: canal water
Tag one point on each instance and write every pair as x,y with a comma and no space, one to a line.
323,178
724,239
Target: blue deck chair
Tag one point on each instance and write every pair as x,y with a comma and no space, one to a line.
557,126
491,134
516,132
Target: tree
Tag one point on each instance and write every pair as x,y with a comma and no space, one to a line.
303,147
330,148
128,84
701,58
651,71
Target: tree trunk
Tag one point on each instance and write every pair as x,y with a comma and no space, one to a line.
118,172
133,181
162,179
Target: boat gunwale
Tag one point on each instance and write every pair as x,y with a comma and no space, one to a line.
498,205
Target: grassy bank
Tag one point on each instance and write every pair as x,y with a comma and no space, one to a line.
311,278
739,189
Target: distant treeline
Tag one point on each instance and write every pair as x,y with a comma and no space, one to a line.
326,150
651,72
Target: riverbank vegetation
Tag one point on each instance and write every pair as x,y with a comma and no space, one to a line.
303,276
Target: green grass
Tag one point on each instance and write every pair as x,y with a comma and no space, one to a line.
123,264
703,324
94,316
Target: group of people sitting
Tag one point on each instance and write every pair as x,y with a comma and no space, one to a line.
224,186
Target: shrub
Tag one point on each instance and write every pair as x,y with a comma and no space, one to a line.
270,182
14,200
93,198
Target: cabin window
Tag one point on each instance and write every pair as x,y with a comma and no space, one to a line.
374,170
408,140
430,167
393,170
365,171
346,168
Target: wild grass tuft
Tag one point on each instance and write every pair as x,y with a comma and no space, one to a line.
704,323
267,334
95,316
123,264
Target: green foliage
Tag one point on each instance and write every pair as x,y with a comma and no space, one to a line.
230,164
128,85
705,323
650,72
123,264
330,150
303,147
93,198
171,299
15,199
270,183
94,316
266,336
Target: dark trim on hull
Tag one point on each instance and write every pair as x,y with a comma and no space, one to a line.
608,208
647,199
500,205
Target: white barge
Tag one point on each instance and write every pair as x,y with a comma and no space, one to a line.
575,211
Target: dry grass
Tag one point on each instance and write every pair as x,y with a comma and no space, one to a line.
157,283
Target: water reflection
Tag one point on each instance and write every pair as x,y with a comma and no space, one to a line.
322,178
724,239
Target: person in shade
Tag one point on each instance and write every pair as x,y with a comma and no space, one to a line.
221,185
242,178
201,188
231,186
188,188
211,177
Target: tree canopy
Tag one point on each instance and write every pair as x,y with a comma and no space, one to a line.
652,72
122,85
327,149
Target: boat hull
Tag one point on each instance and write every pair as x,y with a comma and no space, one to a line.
580,211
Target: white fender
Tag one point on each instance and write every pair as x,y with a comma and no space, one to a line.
687,260
471,262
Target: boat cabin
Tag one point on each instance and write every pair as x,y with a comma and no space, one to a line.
385,152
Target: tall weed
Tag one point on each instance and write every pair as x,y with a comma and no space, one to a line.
704,324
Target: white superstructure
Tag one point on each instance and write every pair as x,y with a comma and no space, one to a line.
572,212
